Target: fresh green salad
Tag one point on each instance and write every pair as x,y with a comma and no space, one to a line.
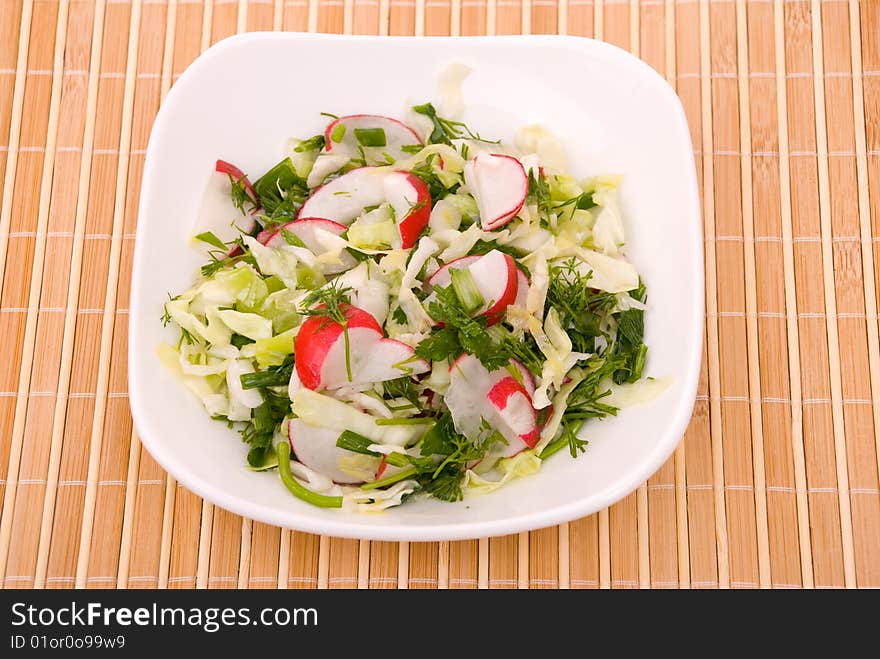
400,309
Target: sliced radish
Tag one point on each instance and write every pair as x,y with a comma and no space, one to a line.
443,277
318,337
327,357
239,176
348,135
411,200
518,419
316,448
383,465
344,199
476,395
522,289
528,380
388,359
499,185
308,230
469,382
218,214
495,275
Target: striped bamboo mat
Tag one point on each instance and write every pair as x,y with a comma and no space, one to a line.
776,482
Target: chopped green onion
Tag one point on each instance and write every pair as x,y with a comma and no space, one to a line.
466,290
553,447
412,421
357,443
638,363
347,351
390,480
371,136
315,143
294,486
337,133
276,377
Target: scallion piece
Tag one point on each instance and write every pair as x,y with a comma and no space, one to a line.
411,421
337,133
357,443
390,480
466,290
294,486
371,136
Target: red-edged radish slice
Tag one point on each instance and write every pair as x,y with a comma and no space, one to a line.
494,274
218,214
411,200
443,276
346,130
239,176
489,274
388,359
528,380
475,395
316,448
522,289
307,230
344,199
383,465
469,382
324,361
499,185
319,344
517,418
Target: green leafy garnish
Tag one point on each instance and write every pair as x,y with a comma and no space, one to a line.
279,185
211,239
630,333
291,238
399,316
242,197
315,143
461,333
581,308
446,130
332,302
260,430
436,186
539,195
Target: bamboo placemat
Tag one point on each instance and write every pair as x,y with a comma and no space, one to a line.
776,481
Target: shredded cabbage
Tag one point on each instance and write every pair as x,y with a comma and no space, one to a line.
242,316
449,85
525,463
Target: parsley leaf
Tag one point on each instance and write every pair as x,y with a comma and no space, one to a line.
471,333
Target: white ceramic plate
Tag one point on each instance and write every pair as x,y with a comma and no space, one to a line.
243,98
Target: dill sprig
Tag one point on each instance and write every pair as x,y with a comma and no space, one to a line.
581,308
446,130
332,303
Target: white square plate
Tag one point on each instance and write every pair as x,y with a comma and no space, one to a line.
247,95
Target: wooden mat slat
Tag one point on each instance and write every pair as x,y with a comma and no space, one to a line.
776,482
